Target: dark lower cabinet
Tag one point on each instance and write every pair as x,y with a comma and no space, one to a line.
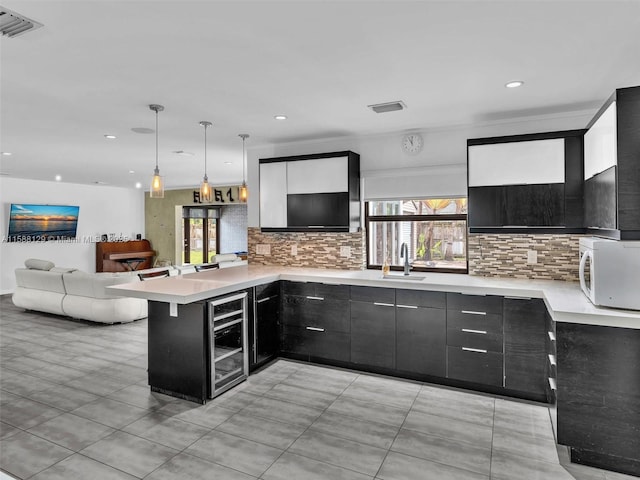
474,365
310,343
373,328
266,324
525,346
178,350
420,341
598,395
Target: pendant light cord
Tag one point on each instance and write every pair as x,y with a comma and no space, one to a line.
205,151
156,139
243,158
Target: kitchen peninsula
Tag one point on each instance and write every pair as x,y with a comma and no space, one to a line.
520,338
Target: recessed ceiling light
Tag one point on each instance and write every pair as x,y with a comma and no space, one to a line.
58,178
143,130
138,185
183,153
132,171
4,174
514,84
228,163
6,154
110,137
280,117
98,182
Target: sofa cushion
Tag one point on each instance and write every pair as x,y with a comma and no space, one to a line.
37,264
93,284
63,269
40,280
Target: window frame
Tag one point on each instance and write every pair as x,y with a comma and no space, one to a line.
413,218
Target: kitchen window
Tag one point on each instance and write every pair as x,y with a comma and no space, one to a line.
200,234
435,231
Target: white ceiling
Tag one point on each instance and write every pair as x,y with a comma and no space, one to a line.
95,66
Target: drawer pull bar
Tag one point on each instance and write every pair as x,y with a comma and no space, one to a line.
477,350
263,299
552,336
552,383
471,312
406,306
468,330
380,304
552,359
315,329
315,298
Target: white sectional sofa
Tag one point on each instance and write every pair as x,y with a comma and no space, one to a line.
67,291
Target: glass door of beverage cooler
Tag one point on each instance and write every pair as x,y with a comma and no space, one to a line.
228,342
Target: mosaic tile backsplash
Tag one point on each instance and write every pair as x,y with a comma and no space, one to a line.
505,255
344,251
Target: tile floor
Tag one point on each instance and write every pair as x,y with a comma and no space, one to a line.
74,404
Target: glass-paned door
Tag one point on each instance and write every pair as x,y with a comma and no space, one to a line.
200,234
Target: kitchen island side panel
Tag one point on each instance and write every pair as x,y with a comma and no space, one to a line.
598,396
178,350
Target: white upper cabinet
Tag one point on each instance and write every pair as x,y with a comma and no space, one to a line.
600,144
323,175
273,195
517,163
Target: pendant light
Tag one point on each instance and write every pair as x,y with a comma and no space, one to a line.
157,182
205,188
244,191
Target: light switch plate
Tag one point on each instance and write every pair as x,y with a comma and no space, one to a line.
345,252
294,249
532,257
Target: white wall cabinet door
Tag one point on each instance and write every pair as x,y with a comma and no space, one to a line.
601,144
517,163
273,195
322,175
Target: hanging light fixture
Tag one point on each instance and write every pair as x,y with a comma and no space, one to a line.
244,191
157,182
205,188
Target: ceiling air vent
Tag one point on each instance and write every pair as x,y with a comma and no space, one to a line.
388,107
12,24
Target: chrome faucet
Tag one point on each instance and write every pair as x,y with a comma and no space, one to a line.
404,253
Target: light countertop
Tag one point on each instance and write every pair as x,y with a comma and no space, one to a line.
565,300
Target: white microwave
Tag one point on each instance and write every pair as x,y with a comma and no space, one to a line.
610,272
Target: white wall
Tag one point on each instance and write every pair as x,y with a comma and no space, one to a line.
103,209
441,164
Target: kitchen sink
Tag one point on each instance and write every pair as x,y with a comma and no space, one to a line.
408,278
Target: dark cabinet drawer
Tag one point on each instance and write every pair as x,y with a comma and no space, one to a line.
373,334
420,298
472,320
267,290
312,289
313,342
316,312
475,366
373,294
474,303
474,338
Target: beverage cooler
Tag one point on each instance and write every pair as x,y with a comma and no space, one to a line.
228,342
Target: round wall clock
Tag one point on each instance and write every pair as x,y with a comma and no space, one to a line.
412,143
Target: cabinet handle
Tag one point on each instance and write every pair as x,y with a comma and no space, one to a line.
383,304
315,329
315,298
477,350
552,336
471,312
552,383
263,299
468,330
552,359
406,306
